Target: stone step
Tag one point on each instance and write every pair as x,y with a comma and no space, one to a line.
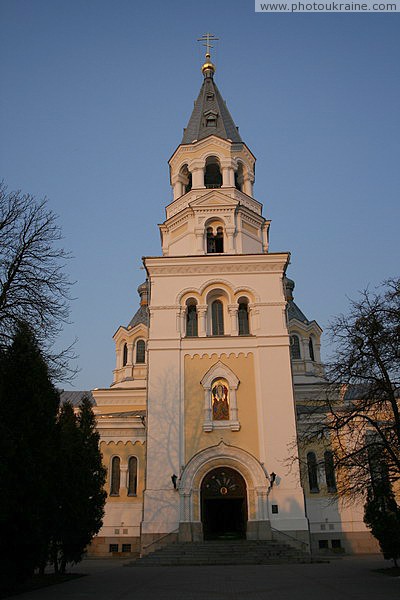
270,551
228,545
220,559
221,552
228,561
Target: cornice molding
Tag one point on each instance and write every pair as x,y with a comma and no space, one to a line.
195,195
122,435
203,269
164,307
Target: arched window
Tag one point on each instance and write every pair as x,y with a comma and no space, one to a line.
125,355
312,468
243,317
188,186
239,177
115,476
329,471
141,351
220,400
186,179
219,240
132,476
295,347
311,349
191,318
217,317
210,241
212,174
215,243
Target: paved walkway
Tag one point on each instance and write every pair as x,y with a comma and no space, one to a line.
343,579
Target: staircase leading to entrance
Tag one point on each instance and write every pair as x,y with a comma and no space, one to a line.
224,552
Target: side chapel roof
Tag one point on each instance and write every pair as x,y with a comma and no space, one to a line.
75,397
142,314
293,310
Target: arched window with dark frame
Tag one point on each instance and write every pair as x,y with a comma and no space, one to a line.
188,186
191,318
212,173
115,476
187,178
140,352
132,476
211,247
330,471
125,355
239,177
295,347
311,349
217,318
243,316
219,240
215,242
312,469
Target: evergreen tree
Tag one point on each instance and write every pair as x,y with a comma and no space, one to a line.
80,494
69,469
28,410
382,516
95,477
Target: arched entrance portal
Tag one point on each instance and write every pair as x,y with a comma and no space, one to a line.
223,504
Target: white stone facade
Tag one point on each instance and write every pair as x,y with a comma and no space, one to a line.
216,310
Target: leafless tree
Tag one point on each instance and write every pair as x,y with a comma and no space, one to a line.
33,284
358,411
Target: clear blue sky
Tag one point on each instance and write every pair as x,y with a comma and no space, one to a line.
95,94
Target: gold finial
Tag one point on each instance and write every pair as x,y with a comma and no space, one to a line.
208,67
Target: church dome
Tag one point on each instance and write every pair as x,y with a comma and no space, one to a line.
289,286
143,288
142,314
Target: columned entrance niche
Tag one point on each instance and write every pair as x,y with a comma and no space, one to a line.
224,504
224,492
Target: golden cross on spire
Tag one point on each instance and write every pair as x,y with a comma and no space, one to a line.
208,38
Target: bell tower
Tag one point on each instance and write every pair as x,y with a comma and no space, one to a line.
212,176
220,407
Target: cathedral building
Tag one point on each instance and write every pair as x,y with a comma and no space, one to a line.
198,424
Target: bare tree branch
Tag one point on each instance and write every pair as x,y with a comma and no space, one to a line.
359,413
33,284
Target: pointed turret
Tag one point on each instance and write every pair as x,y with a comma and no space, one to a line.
210,114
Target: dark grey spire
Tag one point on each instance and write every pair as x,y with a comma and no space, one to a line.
210,115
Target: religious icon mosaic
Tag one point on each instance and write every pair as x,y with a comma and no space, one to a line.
220,400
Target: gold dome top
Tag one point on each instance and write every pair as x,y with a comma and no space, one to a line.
208,65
